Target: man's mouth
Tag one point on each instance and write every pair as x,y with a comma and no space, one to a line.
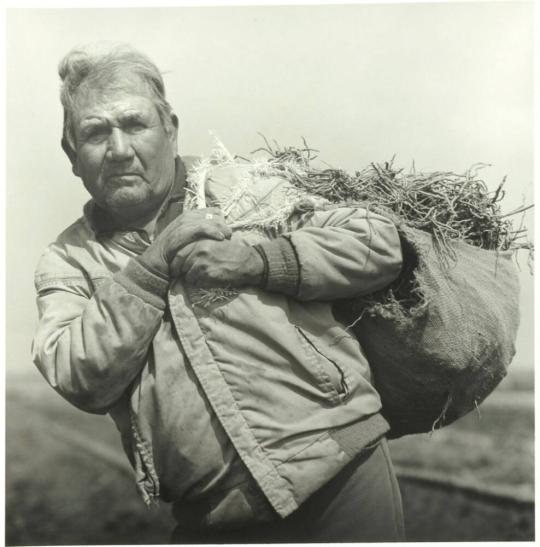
122,176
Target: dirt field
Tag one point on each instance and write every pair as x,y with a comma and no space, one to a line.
67,481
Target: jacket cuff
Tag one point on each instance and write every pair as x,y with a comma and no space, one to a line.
283,268
359,435
137,279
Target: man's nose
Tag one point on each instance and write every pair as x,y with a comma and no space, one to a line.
119,146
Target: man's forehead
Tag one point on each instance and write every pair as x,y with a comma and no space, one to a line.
125,92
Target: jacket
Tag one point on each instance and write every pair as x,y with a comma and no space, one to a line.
236,408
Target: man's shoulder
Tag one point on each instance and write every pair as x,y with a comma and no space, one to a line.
78,234
63,257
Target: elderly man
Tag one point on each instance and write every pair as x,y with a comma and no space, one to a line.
256,417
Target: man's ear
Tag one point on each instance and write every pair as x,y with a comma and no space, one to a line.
71,154
174,130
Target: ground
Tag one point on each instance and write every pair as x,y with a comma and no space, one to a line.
67,481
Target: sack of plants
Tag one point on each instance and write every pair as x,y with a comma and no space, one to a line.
436,354
440,338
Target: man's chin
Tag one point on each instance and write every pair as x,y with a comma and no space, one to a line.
127,199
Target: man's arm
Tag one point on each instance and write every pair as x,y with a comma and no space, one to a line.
325,255
340,253
90,347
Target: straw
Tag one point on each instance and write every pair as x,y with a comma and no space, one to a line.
445,204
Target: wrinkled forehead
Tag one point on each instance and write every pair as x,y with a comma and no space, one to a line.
122,87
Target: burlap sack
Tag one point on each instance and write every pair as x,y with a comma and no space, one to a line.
440,356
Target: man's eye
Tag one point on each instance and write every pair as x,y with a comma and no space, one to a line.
96,136
135,126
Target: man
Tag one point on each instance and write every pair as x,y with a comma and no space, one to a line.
255,416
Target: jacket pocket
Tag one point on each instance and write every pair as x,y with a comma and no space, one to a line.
330,377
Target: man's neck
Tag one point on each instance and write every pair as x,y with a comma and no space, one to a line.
148,223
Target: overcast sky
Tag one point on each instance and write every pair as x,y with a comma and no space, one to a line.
445,85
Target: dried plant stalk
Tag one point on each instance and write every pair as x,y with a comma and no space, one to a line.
445,204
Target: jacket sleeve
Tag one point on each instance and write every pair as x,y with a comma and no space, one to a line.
338,253
90,347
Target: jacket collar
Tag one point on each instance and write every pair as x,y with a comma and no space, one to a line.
102,222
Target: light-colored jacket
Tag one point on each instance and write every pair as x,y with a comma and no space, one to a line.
237,407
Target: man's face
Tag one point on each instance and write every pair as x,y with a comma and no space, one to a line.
123,153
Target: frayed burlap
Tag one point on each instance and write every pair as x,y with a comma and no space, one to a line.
437,357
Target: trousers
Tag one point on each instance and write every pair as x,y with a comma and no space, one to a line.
362,503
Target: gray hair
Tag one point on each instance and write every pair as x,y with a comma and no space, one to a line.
99,69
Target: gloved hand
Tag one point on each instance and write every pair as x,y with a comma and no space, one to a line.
210,263
190,226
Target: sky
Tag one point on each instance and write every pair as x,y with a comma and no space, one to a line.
443,85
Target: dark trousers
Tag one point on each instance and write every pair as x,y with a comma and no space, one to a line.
360,504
